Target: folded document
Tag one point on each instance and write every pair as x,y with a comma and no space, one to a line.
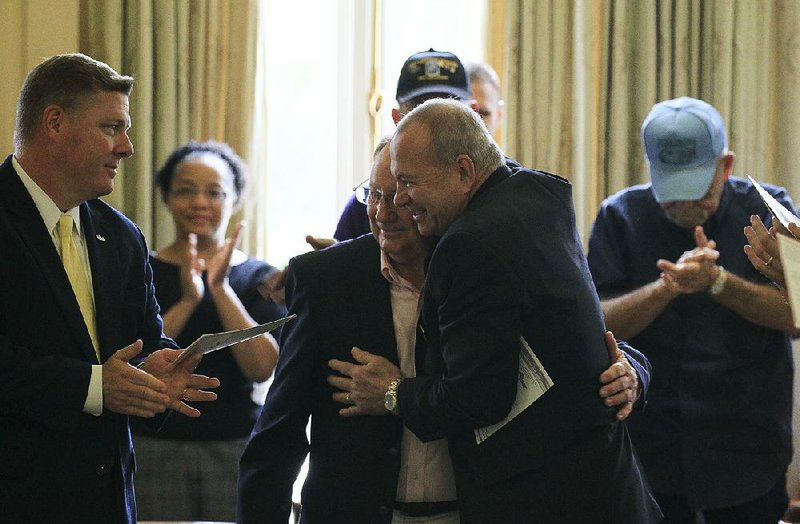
532,383
212,342
790,258
785,216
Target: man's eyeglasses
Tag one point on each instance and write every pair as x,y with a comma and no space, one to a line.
190,193
372,197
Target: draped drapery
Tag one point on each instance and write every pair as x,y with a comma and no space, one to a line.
193,62
581,75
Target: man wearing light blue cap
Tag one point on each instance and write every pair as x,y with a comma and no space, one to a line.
684,139
715,437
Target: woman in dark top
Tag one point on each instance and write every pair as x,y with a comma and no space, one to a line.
188,469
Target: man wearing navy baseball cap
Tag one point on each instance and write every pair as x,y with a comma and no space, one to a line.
431,72
425,75
668,262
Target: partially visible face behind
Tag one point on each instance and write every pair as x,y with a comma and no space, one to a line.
690,213
393,227
408,106
202,196
434,194
489,107
94,138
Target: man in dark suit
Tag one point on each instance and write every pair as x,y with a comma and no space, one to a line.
341,299
67,387
363,293
507,290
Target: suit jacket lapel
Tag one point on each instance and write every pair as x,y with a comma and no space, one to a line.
28,223
100,243
376,288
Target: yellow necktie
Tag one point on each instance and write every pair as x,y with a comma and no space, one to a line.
73,265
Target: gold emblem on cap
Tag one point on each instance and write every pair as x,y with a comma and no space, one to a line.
433,68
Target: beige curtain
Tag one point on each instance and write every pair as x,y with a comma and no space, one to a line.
581,76
193,62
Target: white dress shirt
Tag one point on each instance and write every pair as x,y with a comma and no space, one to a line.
426,471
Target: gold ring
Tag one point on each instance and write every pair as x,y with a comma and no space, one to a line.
768,262
183,396
347,398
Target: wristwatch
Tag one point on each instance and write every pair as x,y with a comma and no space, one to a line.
390,398
718,285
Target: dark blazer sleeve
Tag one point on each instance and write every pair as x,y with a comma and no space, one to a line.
642,366
478,300
278,444
47,390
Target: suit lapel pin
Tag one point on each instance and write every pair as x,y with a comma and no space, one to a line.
101,238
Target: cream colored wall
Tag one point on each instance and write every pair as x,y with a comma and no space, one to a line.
30,30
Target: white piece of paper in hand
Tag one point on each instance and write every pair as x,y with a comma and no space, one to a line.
784,215
790,259
532,383
214,341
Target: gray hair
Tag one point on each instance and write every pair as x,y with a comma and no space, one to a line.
455,129
483,73
382,143
66,80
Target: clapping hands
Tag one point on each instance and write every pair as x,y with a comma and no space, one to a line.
695,270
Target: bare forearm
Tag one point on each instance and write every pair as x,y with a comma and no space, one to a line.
176,317
761,304
627,315
255,357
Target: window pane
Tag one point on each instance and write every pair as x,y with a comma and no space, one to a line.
301,69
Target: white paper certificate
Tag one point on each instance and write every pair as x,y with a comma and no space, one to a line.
212,342
780,212
790,258
532,383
